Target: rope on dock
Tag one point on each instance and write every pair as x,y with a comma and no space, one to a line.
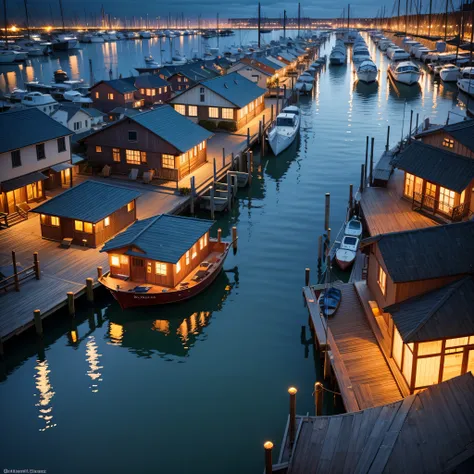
327,390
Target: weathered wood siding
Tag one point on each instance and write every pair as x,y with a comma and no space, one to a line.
103,103
376,260
436,139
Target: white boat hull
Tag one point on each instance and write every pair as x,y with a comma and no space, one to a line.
449,76
467,86
337,61
367,76
407,78
7,57
279,142
345,258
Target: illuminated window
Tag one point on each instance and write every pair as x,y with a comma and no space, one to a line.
143,156
205,240
131,206
115,261
204,144
167,161
183,158
213,112
96,95
159,90
446,200
160,268
427,371
192,110
180,108
55,221
431,190
429,348
148,92
178,267
123,259
107,222
228,114
194,255
133,157
187,257
397,348
148,267
243,112
382,280
201,243
448,142
116,154
79,226
88,227
43,219
142,91
251,107
200,146
110,96
98,149
195,151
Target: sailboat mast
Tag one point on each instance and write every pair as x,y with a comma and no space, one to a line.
446,22
398,16
258,24
429,18
217,21
284,23
406,18
348,14
6,22
299,18
62,15
27,19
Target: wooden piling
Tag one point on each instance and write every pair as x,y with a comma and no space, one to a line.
263,124
15,272
327,365
211,194
417,120
318,398
99,273
366,154
328,233
234,238
268,457
223,157
371,172
232,166
278,100
248,161
229,190
248,136
387,145
320,249
70,303
292,431
306,276
38,322
219,235
262,142
326,210
362,174
411,125
36,266
215,170
259,131
193,193
271,114
90,289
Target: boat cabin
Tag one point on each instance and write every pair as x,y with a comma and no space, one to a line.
88,214
161,250
421,294
437,181
286,120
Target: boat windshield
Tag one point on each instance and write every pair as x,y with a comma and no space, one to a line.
350,240
291,110
354,225
285,122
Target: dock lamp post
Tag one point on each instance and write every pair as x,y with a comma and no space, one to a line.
292,391
268,457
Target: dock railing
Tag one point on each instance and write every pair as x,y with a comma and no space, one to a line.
18,276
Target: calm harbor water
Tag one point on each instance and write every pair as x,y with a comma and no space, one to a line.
198,387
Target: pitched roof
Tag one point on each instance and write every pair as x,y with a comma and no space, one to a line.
235,88
431,431
437,165
463,132
122,86
164,238
125,111
144,81
70,109
431,252
93,112
260,64
27,127
196,71
172,127
447,312
90,201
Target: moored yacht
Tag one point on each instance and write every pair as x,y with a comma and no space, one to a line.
466,81
347,251
405,72
367,71
7,56
449,73
43,102
286,129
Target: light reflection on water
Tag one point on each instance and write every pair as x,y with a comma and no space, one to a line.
45,395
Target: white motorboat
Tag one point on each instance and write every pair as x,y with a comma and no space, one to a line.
32,47
347,251
353,228
96,38
7,56
360,54
43,102
77,97
367,71
112,35
397,54
286,129
64,42
449,73
405,72
303,87
17,95
338,54
145,34
466,81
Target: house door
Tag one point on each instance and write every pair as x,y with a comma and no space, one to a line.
138,269
11,201
66,177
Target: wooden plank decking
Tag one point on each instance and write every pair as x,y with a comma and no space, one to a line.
384,209
364,377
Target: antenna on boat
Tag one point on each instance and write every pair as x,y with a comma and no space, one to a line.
258,24
62,15
27,19
6,22
284,24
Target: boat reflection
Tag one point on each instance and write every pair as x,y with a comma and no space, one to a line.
337,74
276,167
364,90
402,92
165,330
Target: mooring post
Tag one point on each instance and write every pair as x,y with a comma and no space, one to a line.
193,192
371,161
318,398
215,170
232,167
248,136
263,123
320,249
99,273
306,276
411,125
36,266
268,457
211,194
260,131
292,431
223,157
388,139
351,205
284,96
15,272
278,100
241,162
362,174
328,233
262,143
229,190
234,238
38,322
326,210
417,119
90,289
70,303
271,114
219,235
366,154
248,161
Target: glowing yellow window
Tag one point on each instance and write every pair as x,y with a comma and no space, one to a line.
192,110
131,206
88,227
382,280
201,243
55,221
178,267
180,108
205,240
98,149
160,268
110,96
123,259
43,219
194,255
228,114
97,95
115,261
107,222
187,257
79,226
213,112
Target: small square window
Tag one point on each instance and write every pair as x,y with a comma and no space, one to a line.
61,144
123,259
98,149
79,226
382,280
132,136
213,112
107,222
180,108
192,110
88,227
448,142
110,96
116,154
160,268
115,261
55,221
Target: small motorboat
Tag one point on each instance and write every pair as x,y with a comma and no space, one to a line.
77,97
405,72
283,134
329,301
347,251
353,228
367,71
466,81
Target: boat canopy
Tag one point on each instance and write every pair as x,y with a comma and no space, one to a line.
285,120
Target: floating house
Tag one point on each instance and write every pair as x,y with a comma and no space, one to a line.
88,214
439,182
420,294
430,431
229,101
35,154
161,140
457,137
163,259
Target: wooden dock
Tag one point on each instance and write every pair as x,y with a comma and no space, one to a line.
364,377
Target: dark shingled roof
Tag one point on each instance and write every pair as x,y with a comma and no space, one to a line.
463,132
429,432
122,86
432,252
150,81
172,127
27,127
164,238
70,109
447,312
90,201
437,165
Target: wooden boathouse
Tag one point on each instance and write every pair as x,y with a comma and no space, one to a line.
88,214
